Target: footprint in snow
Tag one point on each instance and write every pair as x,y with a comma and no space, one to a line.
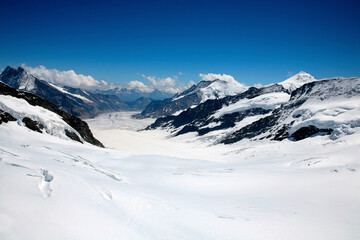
44,184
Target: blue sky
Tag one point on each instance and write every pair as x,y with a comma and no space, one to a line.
117,41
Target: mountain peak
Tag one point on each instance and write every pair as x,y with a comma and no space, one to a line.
20,69
212,89
297,80
12,72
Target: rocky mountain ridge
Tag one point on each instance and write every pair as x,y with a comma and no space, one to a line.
72,126
328,106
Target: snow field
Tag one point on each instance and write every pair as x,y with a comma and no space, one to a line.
152,187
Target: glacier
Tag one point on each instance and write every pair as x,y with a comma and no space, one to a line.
148,186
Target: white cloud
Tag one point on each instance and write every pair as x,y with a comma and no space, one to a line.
214,76
258,85
165,84
191,83
72,79
230,81
139,85
65,78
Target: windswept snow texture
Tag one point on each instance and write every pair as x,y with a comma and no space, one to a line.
57,189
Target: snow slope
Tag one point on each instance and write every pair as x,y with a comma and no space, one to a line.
266,101
53,123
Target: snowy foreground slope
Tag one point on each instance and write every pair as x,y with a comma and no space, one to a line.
54,188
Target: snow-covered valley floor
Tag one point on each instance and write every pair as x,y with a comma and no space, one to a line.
147,186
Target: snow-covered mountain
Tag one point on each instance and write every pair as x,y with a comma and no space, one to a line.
73,100
131,95
42,116
214,89
193,96
330,106
223,113
297,81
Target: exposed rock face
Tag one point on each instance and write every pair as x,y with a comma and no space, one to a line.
6,117
309,131
33,125
72,135
80,126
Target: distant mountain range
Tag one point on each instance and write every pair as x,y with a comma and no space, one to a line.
131,95
75,101
297,108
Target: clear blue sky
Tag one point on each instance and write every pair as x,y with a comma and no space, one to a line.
254,41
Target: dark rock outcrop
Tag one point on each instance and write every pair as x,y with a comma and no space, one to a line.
309,131
33,125
6,117
72,135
